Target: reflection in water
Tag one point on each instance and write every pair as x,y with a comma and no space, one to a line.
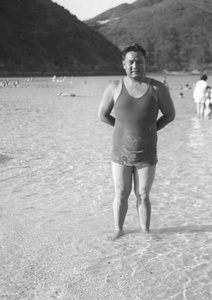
200,134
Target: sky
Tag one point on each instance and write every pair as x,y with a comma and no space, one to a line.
87,9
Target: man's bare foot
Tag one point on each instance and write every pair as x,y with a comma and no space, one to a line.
145,232
117,235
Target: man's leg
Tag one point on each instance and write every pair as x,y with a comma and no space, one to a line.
143,180
122,176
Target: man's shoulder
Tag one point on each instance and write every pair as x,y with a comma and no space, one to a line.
113,89
154,82
114,83
159,89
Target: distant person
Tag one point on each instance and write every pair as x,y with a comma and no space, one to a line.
199,94
181,95
208,103
187,87
136,100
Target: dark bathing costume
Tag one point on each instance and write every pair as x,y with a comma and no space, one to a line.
135,133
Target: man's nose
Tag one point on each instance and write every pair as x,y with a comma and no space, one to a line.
135,64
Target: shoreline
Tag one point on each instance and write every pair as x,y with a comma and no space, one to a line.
7,74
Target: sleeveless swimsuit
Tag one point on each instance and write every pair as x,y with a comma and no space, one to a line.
134,140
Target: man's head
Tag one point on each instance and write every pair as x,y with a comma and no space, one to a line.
135,48
133,60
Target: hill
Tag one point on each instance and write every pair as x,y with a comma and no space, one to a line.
176,33
39,37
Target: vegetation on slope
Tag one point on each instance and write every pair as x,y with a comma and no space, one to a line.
39,37
176,33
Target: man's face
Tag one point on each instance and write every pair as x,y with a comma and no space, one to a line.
134,64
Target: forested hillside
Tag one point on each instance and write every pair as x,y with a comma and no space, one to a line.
39,37
177,34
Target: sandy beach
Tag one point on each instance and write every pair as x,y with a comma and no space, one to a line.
56,200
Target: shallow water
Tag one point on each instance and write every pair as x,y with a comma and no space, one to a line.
56,200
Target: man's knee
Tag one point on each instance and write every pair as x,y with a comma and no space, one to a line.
122,194
142,195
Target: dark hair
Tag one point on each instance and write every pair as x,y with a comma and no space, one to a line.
204,77
133,47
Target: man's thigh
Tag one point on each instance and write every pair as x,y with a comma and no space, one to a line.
143,178
122,176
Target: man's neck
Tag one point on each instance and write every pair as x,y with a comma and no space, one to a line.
136,81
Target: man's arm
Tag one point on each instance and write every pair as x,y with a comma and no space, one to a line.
166,106
106,105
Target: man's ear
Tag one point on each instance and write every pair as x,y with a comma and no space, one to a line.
123,64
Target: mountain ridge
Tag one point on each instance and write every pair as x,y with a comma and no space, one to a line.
176,34
40,37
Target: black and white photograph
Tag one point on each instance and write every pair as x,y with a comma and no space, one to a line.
106,149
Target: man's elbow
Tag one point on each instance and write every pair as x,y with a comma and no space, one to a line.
171,114
101,116
172,117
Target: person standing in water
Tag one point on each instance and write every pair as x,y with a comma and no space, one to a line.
208,103
136,100
199,95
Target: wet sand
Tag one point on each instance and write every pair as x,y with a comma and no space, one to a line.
56,201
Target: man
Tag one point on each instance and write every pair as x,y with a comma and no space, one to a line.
136,100
199,95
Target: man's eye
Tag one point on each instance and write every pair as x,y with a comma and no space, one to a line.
138,62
